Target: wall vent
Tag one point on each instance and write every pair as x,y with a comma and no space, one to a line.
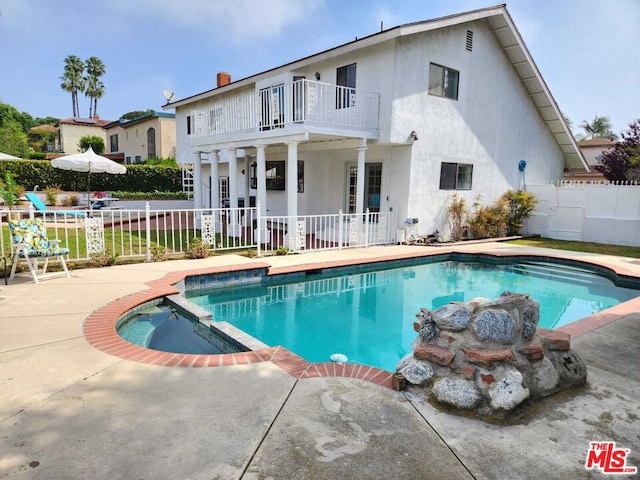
469,42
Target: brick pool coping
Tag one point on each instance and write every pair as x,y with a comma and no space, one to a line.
100,326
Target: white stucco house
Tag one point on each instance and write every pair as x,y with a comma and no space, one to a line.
396,121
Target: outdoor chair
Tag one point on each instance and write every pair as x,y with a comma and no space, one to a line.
38,205
29,239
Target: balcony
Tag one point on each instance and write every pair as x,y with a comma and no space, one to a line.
301,105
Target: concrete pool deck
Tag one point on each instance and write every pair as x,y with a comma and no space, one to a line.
69,410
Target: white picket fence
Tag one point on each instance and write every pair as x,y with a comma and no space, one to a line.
588,212
150,233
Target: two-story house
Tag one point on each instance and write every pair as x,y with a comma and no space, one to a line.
152,135
395,121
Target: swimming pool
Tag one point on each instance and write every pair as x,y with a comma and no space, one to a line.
369,316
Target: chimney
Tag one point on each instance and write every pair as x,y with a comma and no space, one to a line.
96,117
223,79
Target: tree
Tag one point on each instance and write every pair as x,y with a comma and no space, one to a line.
10,114
599,128
93,141
73,81
622,161
135,114
95,88
13,140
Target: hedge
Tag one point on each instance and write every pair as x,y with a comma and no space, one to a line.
139,178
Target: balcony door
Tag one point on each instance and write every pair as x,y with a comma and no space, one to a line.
372,186
272,107
346,86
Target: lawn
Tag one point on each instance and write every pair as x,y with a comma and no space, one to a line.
589,247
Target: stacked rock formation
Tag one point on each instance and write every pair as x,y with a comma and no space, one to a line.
488,356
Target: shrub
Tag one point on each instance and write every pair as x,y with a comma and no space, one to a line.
458,214
197,249
503,217
51,194
158,253
71,200
489,221
103,259
520,204
282,251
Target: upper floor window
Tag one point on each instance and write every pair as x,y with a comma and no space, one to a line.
346,85
456,176
443,81
151,143
113,141
188,124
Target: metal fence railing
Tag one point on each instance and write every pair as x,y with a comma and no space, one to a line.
153,232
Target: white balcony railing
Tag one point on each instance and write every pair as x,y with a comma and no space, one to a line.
281,106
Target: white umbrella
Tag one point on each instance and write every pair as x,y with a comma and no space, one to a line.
5,156
88,161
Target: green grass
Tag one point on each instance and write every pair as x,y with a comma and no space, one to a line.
589,247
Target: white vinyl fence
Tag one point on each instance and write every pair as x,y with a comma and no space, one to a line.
153,233
588,212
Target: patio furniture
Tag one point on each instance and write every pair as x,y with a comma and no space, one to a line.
38,205
30,241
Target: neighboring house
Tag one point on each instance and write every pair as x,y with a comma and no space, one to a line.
152,135
396,121
592,151
44,138
71,130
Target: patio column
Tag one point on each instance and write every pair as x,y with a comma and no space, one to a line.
197,180
247,186
360,180
292,194
234,226
261,173
215,191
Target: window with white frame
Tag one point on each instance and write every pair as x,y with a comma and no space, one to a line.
443,81
456,176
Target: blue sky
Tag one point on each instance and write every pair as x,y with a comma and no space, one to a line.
585,49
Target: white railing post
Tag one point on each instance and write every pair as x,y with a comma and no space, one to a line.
340,228
366,228
258,227
147,223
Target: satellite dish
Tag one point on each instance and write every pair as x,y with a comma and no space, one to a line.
170,96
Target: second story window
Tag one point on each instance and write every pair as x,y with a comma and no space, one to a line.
188,124
113,141
443,81
346,86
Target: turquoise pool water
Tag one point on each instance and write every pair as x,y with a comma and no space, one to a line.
369,316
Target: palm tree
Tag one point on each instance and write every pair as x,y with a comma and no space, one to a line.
599,128
95,87
73,81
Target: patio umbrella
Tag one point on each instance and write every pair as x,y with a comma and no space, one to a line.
88,161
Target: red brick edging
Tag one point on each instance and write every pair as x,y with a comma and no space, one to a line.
100,331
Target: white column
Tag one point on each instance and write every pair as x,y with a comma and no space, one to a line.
292,193
247,186
262,178
215,192
197,180
234,226
360,180
261,173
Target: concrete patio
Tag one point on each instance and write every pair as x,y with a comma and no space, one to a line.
70,411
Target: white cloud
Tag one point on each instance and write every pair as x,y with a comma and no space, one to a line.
234,21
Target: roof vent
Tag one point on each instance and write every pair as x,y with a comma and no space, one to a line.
469,42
